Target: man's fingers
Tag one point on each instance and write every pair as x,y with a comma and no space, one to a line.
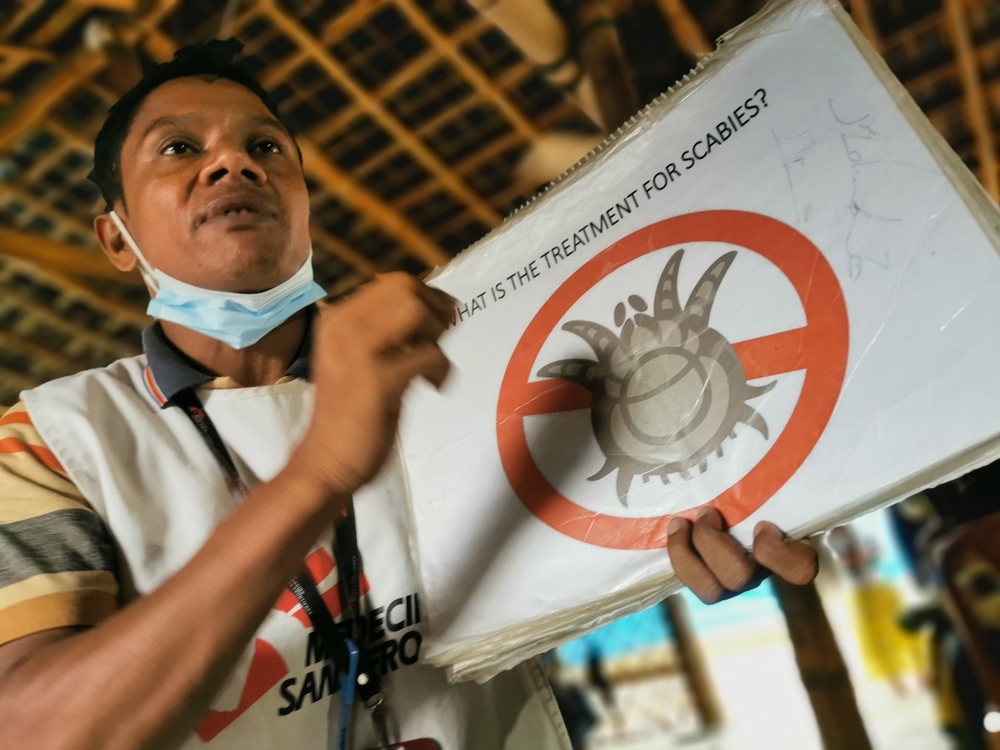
796,562
440,303
396,308
424,359
690,568
725,558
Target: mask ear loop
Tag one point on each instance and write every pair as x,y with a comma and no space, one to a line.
144,268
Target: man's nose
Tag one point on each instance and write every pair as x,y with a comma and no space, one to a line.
233,163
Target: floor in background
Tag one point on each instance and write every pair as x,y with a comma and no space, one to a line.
765,704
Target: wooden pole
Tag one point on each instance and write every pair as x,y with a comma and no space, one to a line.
691,662
686,30
822,667
976,101
601,58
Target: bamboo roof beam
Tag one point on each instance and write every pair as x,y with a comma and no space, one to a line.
469,164
685,29
409,73
44,164
277,74
35,107
42,250
977,109
66,223
16,380
386,120
861,12
389,220
81,335
910,33
480,82
159,46
14,56
124,312
44,359
427,128
8,28
342,252
75,138
71,12
355,13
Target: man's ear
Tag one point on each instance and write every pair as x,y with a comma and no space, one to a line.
113,243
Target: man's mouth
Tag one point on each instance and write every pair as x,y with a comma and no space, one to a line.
236,209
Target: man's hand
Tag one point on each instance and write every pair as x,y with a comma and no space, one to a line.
366,350
713,564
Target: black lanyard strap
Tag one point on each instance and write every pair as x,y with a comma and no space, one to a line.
346,553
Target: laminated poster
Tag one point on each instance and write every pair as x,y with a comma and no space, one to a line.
775,291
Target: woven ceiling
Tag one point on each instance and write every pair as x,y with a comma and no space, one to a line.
412,116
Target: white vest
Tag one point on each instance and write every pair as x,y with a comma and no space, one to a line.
150,476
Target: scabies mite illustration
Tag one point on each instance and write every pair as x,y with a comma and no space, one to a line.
669,389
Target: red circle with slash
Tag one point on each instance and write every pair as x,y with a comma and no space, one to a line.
820,348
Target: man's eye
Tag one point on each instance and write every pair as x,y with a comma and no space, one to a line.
267,147
177,147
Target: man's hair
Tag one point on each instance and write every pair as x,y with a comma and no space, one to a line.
212,60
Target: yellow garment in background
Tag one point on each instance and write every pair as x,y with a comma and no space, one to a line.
888,651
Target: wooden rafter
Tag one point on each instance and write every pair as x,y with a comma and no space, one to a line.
416,68
686,30
385,119
67,223
17,381
388,219
473,75
35,107
13,56
861,12
123,311
975,100
44,251
45,359
353,16
339,250
475,160
82,336
70,13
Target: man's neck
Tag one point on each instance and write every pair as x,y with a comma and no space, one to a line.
263,363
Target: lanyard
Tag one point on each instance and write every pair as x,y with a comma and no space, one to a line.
349,653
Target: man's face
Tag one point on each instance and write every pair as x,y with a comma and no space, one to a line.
213,187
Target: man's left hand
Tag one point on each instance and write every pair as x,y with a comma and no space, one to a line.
715,566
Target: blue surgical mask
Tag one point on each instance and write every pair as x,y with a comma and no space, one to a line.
230,317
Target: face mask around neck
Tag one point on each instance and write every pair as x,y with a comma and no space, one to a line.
238,320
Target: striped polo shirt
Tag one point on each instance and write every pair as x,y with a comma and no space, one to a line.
57,560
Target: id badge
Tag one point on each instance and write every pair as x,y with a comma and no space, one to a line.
425,743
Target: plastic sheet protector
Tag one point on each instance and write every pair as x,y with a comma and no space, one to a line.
775,291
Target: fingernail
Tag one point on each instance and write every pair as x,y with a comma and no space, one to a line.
763,526
703,512
675,525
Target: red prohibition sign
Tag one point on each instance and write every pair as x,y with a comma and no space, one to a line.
820,348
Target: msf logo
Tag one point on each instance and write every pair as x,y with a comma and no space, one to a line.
268,668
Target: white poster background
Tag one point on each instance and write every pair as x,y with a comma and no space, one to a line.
832,156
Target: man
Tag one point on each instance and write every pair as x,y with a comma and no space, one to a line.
144,562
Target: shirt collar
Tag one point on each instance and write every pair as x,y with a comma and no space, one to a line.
171,371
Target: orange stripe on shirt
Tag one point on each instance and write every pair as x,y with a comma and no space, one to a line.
154,389
20,417
44,455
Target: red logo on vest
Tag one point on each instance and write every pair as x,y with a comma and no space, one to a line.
268,668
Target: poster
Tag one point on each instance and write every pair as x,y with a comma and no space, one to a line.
777,291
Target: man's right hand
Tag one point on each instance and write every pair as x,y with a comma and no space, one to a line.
366,351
